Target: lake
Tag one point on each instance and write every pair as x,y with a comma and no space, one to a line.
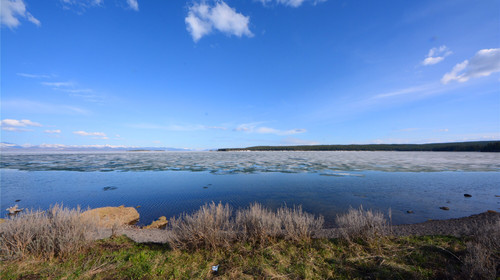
326,183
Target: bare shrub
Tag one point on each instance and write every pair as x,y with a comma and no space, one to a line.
258,224
57,232
362,224
212,226
298,225
482,252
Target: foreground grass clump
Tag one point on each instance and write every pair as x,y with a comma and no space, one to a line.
428,257
215,226
57,232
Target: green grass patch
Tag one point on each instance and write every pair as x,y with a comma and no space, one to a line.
427,257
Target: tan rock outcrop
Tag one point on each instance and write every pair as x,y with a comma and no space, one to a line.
160,223
113,216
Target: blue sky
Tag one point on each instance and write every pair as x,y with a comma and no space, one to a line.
235,73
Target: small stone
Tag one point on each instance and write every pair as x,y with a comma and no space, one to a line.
137,207
444,208
409,212
160,223
467,195
17,200
14,210
205,187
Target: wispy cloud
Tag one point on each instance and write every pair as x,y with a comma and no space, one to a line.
82,5
254,128
177,127
28,106
13,10
54,131
133,5
34,76
203,18
17,125
290,3
58,84
296,141
436,55
483,63
95,135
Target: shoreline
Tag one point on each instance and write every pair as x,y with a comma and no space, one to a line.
457,227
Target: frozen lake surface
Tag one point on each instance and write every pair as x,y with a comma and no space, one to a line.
326,183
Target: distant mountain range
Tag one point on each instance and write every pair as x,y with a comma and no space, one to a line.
4,146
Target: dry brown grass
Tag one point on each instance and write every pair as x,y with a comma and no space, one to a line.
212,226
360,224
258,224
215,226
298,225
482,255
57,232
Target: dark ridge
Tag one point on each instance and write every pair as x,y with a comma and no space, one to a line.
478,146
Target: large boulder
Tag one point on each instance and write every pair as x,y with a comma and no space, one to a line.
113,216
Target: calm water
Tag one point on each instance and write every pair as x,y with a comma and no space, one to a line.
326,183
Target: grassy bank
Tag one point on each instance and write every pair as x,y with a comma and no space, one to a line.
427,257
250,243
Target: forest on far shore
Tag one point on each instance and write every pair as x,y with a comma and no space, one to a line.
478,146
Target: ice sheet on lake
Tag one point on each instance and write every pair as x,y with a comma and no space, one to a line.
325,163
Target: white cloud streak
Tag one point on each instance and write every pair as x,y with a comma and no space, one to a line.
54,131
175,127
202,19
289,3
58,84
17,125
436,55
11,11
34,76
95,135
253,128
133,5
483,63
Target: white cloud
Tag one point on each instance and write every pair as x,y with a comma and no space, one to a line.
17,125
290,3
99,135
82,5
253,128
53,131
483,63
133,5
34,76
13,10
203,18
176,127
296,141
58,84
436,55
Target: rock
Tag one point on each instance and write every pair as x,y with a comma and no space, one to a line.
17,200
137,207
2,221
444,208
492,211
409,212
114,216
109,188
14,210
160,223
467,195
205,187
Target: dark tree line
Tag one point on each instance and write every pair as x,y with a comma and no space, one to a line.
479,146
